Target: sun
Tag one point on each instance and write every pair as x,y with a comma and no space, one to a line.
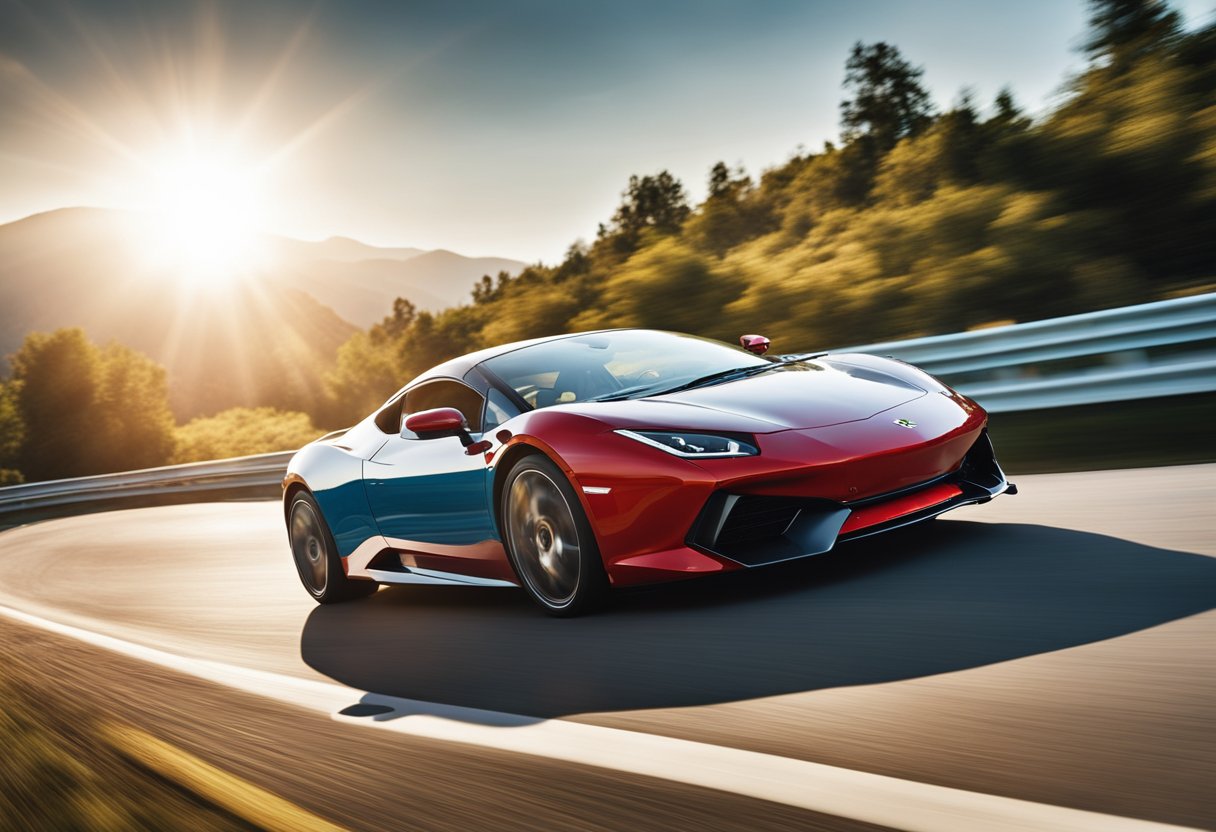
205,212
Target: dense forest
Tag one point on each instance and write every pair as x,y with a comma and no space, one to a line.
917,221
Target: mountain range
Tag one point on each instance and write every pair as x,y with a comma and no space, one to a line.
264,339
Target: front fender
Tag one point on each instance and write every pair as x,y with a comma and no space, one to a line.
651,499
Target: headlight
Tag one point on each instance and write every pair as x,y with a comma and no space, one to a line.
694,445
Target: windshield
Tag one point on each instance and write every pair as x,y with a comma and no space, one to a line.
627,363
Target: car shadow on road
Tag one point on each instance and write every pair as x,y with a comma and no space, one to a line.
950,596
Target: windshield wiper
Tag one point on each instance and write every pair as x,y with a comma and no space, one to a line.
713,378
736,373
617,395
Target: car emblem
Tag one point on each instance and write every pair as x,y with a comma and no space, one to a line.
905,423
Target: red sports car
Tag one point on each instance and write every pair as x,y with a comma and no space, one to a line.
571,464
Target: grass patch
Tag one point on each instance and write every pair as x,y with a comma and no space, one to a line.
58,773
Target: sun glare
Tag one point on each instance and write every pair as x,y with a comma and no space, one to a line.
206,213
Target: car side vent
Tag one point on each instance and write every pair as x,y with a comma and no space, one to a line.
980,466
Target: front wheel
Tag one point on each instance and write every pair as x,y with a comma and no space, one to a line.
316,555
549,540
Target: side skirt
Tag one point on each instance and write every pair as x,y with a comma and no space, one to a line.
414,575
359,567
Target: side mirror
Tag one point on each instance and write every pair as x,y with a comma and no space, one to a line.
444,421
754,343
432,424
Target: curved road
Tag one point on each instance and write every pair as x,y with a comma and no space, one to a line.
1057,647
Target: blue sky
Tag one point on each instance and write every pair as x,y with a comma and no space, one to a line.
484,127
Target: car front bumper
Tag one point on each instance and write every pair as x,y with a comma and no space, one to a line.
737,528
756,530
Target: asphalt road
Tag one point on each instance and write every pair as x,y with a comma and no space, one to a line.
1056,647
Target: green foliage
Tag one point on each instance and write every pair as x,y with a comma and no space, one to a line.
132,419
732,213
367,372
88,410
12,434
1123,32
60,774
719,180
242,431
530,310
57,376
665,286
916,223
650,203
888,100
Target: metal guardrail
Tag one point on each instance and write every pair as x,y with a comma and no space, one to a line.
244,472
1166,348
1155,349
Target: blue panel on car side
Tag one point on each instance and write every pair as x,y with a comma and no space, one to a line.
448,508
489,497
350,519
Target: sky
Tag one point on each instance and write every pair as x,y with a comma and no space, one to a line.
485,127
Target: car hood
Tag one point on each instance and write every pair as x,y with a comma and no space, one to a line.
800,396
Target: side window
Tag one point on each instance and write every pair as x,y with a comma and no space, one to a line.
389,417
498,409
446,393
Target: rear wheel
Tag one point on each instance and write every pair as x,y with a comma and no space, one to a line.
316,555
549,540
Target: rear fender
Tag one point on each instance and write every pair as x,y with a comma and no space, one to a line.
335,479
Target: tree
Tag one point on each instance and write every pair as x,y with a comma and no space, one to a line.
1007,110
57,374
1005,140
730,214
12,434
656,203
367,372
962,140
667,286
487,290
241,431
88,410
1123,31
888,101
719,180
131,414
396,324
576,263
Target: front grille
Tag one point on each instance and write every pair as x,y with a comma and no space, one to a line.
754,519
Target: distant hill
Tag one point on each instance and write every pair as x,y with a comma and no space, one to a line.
362,290
340,248
264,340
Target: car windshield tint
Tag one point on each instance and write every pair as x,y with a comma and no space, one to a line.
601,365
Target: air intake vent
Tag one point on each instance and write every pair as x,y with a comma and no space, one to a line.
755,530
753,519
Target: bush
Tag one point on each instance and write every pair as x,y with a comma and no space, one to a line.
242,431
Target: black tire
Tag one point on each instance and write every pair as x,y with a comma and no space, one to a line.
549,541
316,554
